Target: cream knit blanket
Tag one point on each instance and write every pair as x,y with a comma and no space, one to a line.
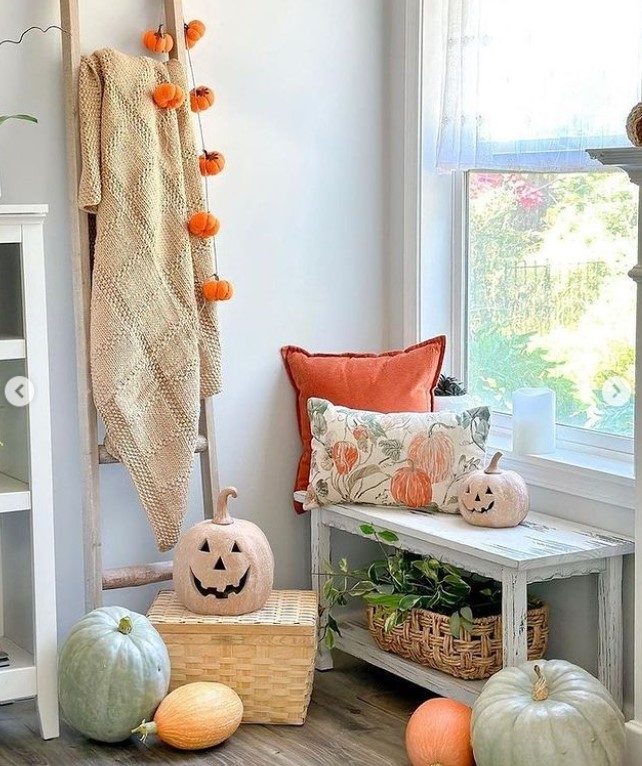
154,345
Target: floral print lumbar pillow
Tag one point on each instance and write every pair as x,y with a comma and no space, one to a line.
413,459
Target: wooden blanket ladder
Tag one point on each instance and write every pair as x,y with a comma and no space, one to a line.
93,454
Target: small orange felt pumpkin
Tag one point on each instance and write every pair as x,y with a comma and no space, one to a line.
194,30
158,41
439,733
168,96
217,290
203,224
211,163
201,98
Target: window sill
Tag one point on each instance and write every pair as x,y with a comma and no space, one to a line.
595,475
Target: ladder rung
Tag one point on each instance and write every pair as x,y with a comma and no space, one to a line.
105,457
140,574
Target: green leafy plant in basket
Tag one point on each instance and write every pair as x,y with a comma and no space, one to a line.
401,581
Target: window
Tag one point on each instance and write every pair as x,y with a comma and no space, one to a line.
547,298
541,237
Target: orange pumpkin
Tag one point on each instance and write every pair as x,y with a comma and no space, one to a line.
434,454
201,98
211,163
158,41
203,224
412,487
344,456
168,96
194,30
217,290
439,733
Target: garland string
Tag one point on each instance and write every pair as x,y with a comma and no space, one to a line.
202,135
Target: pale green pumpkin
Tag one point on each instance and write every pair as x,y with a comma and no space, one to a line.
546,712
113,672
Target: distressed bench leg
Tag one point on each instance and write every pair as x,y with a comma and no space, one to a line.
320,549
609,592
514,617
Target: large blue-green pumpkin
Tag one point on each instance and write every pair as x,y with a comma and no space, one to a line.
113,672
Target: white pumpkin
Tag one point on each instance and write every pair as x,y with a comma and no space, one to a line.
492,497
546,712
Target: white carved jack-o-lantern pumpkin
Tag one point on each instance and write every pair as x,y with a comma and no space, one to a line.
493,498
223,566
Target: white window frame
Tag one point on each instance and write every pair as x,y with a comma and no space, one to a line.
586,464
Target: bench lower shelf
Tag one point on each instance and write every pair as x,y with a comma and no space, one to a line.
19,679
356,640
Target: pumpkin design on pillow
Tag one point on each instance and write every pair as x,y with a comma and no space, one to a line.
412,459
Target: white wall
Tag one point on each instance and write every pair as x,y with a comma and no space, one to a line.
300,117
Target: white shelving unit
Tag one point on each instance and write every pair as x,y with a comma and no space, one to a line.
27,566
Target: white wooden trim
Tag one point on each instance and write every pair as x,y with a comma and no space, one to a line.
41,479
14,495
514,618
412,164
19,680
22,213
633,755
459,287
320,556
610,636
11,348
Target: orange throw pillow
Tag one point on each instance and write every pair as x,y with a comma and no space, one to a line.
395,381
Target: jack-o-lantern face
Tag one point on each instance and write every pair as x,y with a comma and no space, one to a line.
219,574
223,566
476,503
493,498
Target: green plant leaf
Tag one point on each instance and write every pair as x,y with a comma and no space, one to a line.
366,529
391,622
466,613
455,624
388,536
343,565
408,602
330,639
332,625
380,599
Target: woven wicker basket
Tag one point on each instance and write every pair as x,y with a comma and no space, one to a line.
425,637
267,657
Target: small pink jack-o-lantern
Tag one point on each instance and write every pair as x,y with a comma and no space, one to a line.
493,498
223,566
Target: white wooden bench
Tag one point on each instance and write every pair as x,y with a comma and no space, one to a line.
542,548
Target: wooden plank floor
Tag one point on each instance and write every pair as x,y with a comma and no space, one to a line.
357,718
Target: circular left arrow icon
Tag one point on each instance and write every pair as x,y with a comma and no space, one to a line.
19,391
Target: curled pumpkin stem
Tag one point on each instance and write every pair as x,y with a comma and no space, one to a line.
540,690
222,515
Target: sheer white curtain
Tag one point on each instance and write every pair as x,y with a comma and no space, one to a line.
510,84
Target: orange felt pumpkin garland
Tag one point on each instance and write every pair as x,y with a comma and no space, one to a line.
211,163
203,224
194,30
157,40
168,96
216,289
201,98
